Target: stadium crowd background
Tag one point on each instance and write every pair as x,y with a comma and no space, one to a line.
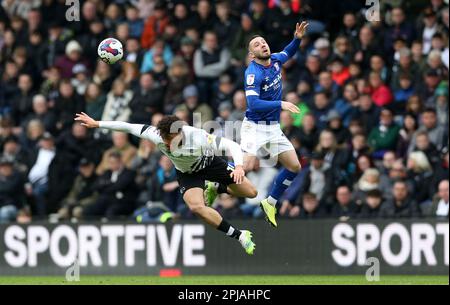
372,133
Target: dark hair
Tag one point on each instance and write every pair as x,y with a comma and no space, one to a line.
429,109
374,194
116,155
309,195
251,38
165,126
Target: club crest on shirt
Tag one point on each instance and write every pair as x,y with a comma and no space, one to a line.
277,67
250,79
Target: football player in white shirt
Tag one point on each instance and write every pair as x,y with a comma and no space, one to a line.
196,156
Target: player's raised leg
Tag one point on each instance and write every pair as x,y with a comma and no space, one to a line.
194,199
291,168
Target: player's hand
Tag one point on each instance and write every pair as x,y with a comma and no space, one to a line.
86,120
300,29
238,174
290,107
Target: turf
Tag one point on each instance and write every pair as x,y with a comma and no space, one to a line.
227,280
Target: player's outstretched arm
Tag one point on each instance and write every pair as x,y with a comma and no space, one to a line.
138,130
290,50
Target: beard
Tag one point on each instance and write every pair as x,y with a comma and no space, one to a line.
263,57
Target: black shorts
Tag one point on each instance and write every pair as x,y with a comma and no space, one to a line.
218,171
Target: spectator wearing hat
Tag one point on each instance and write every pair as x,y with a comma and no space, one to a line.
385,136
428,28
322,46
402,204
73,53
341,133
192,104
82,192
37,185
11,190
80,81
209,63
147,100
154,25
405,66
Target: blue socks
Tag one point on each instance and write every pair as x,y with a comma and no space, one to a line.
282,182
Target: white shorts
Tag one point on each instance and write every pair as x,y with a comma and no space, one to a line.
263,140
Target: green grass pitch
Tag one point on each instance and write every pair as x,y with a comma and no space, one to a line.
228,280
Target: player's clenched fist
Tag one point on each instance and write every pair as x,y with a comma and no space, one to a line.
290,107
86,120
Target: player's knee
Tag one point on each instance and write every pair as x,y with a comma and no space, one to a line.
295,168
252,192
197,209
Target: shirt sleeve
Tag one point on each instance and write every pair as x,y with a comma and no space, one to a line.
289,51
139,130
252,91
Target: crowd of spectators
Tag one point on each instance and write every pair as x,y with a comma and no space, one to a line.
372,133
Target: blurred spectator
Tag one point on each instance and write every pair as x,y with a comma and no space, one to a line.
421,172
385,136
73,53
369,181
147,100
82,193
38,176
11,190
310,209
344,208
121,145
154,25
210,62
167,185
159,48
372,205
439,206
116,188
192,104
429,124
401,205
117,107
95,101
179,78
